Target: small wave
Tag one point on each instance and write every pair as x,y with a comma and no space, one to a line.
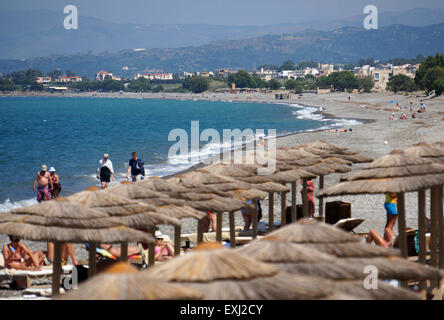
8,205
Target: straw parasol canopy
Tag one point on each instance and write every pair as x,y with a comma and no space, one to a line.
129,212
396,172
324,145
124,282
311,231
56,222
433,152
222,274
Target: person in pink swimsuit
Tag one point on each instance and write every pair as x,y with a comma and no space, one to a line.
162,250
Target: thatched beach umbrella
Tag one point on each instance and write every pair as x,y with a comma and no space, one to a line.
61,221
222,274
131,213
397,173
124,282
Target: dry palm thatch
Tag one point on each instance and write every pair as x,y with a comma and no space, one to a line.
219,204
324,145
353,250
204,177
282,286
161,185
230,170
211,262
225,274
310,231
180,212
354,157
393,172
124,282
439,144
384,185
55,225
135,191
270,250
337,161
425,150
78,235
131,213
271,187
384,291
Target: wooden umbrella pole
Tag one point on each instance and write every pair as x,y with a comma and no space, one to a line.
270,211
422,236
434,228
232,230
124,251
434,232
219,227
92,259
254,222
402,225
151,247
57,268
305,199
177,235
293,201
321,199
200,231
441,227
283,209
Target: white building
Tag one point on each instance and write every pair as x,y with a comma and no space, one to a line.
154,76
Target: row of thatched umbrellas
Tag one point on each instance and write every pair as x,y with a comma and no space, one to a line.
305,260
415,169
110,215
220,188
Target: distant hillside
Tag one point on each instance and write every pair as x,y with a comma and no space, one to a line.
343,45
40,33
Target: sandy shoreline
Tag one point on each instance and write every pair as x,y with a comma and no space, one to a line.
376,137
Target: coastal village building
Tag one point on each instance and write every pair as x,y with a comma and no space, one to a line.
224,73
154,76
382,74
102,75
66,79
43,80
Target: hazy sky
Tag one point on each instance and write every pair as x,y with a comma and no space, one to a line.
230,12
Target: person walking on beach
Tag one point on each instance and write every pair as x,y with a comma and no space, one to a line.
391,201
136,168
321,111
56,186
411,107
44,183
105,171
422,107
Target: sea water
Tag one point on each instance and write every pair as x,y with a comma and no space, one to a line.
72,134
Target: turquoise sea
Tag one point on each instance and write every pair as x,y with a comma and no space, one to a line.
71,134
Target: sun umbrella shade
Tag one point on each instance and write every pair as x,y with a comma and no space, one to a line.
309,231
77,235
126,283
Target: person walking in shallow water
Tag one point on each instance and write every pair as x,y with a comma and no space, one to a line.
105,171
136,168
56,186
44,184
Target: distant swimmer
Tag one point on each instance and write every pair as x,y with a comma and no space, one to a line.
44,182
105,171
136,168
56,186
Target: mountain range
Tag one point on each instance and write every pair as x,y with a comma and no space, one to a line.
27,34
343,45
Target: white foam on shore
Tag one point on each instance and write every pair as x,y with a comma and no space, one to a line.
8,205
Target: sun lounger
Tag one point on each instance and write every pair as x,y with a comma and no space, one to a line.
348,224
26,278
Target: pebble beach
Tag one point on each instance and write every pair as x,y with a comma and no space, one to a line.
375,136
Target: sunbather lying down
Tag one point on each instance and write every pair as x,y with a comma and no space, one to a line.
20,257
116,251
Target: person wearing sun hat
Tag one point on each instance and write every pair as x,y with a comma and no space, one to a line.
44,184
162,250
56,186
105,171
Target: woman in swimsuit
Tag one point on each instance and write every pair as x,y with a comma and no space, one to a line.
163,250
19,257
56,186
